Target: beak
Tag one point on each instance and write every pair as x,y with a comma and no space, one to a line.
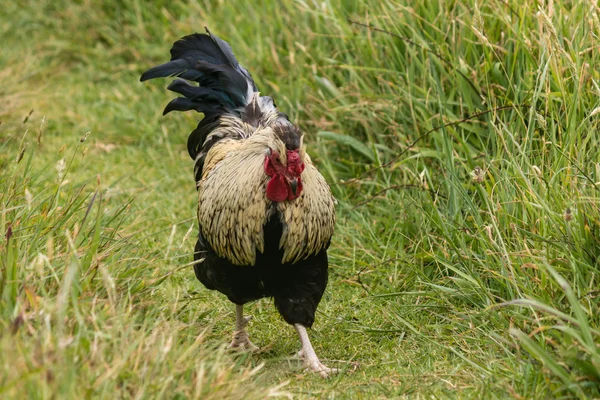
294,185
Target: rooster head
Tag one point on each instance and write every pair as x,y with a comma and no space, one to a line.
285,163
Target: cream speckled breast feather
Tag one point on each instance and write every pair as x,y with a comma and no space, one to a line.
309,220
233,207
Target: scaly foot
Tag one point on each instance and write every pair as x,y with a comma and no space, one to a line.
307,354
241,340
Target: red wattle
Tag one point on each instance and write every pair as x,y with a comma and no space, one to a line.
277,189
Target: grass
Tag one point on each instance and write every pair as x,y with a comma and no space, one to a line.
459,137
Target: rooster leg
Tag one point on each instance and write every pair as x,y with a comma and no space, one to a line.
308,355
241,340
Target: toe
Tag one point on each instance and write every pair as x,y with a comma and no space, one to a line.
242,344
321,369
243,347
251,347
235,344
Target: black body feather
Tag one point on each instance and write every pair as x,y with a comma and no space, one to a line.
296,288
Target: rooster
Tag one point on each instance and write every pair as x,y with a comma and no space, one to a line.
266,215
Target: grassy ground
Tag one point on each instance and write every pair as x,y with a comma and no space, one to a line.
460,139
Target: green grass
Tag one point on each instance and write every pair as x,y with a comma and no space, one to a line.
460,139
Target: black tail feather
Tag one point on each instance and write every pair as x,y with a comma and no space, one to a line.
185,104
200,94
171,68
204,58
226,50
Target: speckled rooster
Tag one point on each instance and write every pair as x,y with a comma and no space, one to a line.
266,214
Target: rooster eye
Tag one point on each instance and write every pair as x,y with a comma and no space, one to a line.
273,154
